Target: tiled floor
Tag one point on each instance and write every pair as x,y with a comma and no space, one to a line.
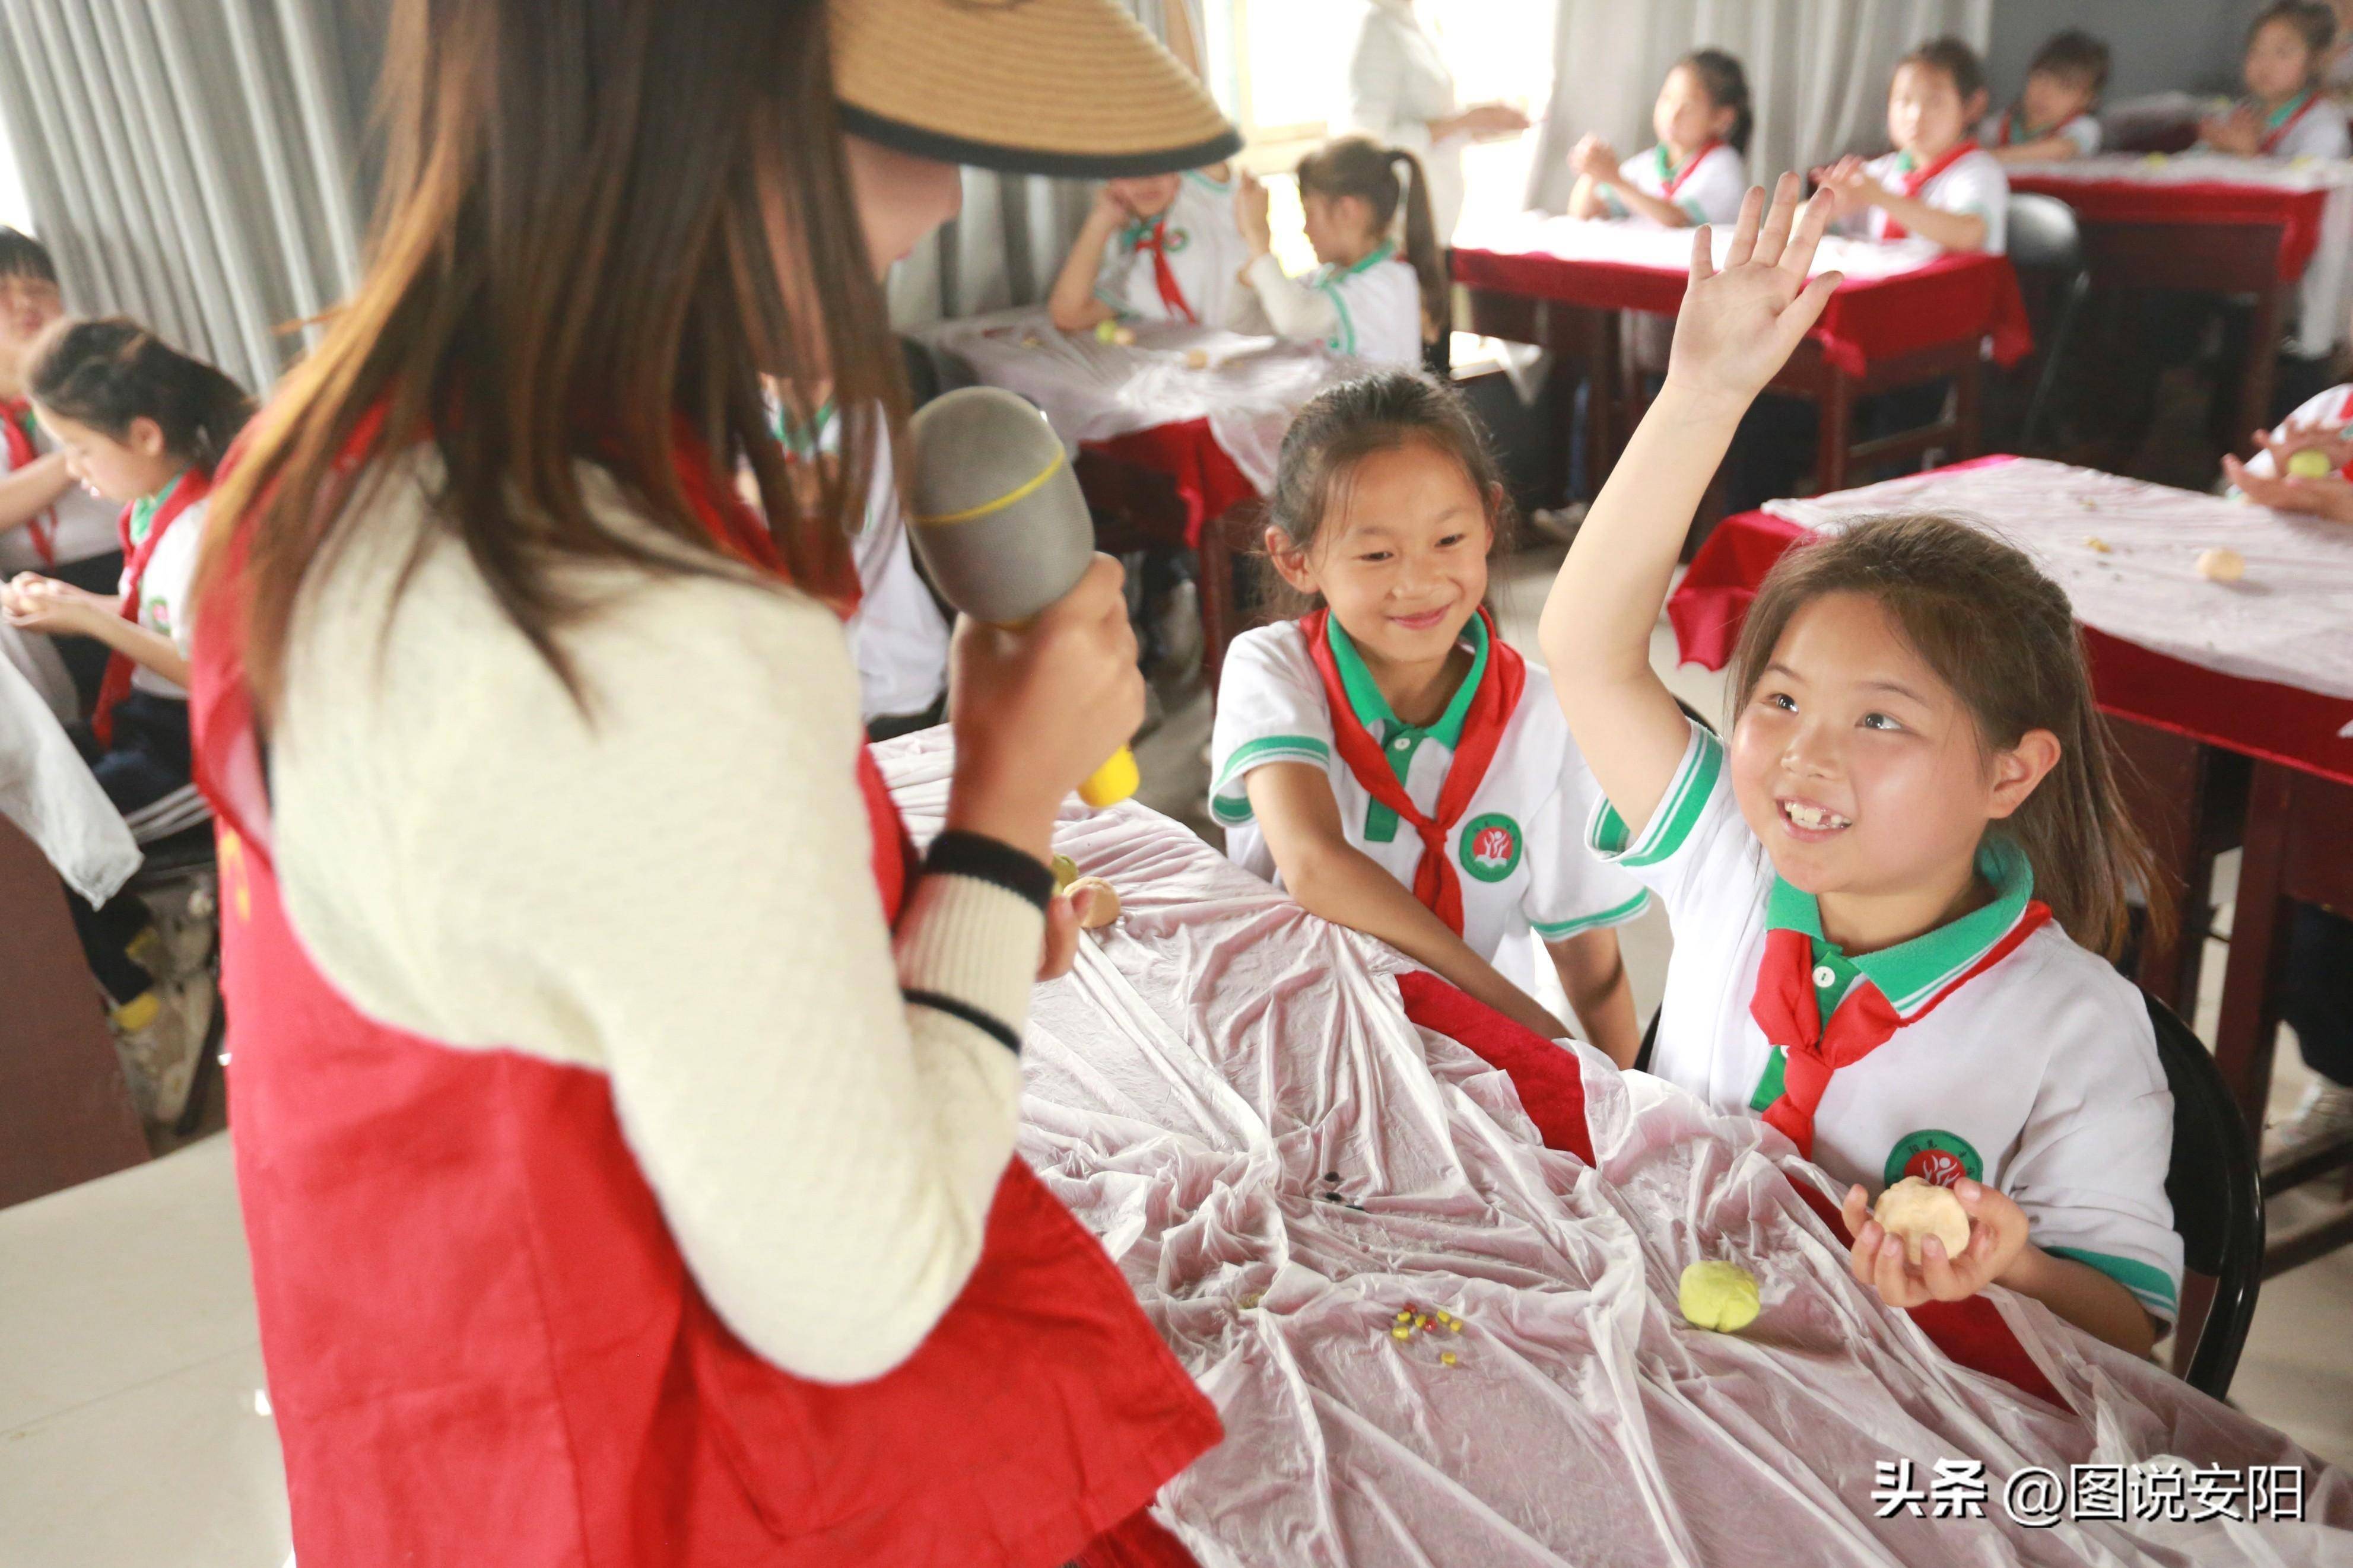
131,1431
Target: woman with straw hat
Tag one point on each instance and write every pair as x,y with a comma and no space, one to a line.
624,1115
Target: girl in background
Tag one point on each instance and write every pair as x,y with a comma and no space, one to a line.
1366,298
145,427
2287,114
2054,117
1387,758
1697,173
1162,249
1938,184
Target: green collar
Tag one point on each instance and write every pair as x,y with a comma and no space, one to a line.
1378,255
803,442
144,510
2288,112
1911,974
1669,171
1215,187
1373,709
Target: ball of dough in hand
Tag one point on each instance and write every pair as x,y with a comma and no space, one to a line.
1066,871
2312,463
1719,1296
1102,908
2221,565
1913,1208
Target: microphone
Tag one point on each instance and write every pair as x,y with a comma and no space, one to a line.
996,516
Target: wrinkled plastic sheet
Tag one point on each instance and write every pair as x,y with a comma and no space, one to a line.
1247,388
46,788
1218,1054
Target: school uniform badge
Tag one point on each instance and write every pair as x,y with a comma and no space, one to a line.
1489,847
1934,1155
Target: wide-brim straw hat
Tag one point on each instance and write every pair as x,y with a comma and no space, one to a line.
1075,87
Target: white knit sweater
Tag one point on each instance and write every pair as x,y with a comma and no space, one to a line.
672,888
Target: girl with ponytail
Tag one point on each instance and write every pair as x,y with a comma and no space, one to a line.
1367,297
145,427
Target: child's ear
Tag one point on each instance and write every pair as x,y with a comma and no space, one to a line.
1721,125
1289,562
145,437
2017,771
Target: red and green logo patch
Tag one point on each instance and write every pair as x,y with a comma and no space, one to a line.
1489,847
1935,1156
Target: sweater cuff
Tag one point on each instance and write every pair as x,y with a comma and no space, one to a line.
990,860
969,944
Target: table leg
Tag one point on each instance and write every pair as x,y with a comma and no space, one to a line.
2262,362
1836,409
2189,801
2244,1037
1600,396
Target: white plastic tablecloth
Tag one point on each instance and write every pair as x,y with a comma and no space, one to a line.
1218,1054
49,792
1632,244
2324,293
1247,388
2289,619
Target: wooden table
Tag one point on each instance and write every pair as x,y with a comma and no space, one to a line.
1905,319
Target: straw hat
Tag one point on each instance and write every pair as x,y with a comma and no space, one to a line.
1036,86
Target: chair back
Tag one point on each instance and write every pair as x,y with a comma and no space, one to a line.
2043,232
2216,1187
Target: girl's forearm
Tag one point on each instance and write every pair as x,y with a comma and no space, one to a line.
2083,1296
151,650
2042,150
1073,304
1954,231
1592,971
1585,198
1658,209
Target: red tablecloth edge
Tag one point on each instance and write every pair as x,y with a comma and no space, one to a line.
2285,724
1551,1086
1207,479
2202,203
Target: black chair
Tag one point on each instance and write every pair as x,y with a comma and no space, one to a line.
2216,1187
2045,236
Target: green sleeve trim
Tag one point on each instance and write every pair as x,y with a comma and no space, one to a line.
1677,814
1610,199
1554,931
2149,1284
1343,341
1118,305
1227,804
1691,210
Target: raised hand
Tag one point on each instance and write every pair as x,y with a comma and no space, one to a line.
1737,327
1879,1259
1252,213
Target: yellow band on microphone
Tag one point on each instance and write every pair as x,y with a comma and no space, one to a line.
1001,502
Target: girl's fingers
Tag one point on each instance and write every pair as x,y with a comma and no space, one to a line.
1894,1285
1702,261
1775,238
1813,221
1807,309
1743,233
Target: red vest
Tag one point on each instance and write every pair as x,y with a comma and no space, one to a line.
483,1347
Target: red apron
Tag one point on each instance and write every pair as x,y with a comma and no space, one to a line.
483,1347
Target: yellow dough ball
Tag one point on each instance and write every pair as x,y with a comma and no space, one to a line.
1719,1296
1066,871
2221,565
1102,908
2309,464
1123,336
1106,331
1912,1209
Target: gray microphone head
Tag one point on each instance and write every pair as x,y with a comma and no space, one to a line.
995,510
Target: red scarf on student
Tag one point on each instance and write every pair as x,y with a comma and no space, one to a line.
1153,236
191,487
1675,181
1435,880
2278,133
1912,185
16,429
1786,1008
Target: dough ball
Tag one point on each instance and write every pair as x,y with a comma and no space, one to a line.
1106,331
1102,908
1066,871
1913,1208
1197,359
1123,336
2097,545
2312,463
2221,565
1719,1296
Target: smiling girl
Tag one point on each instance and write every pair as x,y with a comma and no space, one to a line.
1387,758
1879,888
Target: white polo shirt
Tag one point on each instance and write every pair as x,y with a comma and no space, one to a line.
164,587
2039,1077
1379,300
2331,413
2315,132
898,638
1205,249
1516,850
84,525
1974,183
1709,188
2010,129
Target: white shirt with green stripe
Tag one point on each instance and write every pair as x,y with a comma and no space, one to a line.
1206,254
163,587
1711,190
1371,308
1516,851
2039,1075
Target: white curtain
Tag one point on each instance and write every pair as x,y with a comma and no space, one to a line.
1818,71
192,165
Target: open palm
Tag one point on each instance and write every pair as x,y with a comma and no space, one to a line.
1737,326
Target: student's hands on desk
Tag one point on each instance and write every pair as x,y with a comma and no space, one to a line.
2238,132
1850,184
2329,496
33,603
1595,159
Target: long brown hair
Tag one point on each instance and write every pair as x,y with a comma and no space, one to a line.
1361,167
576,259
2003,637
111,370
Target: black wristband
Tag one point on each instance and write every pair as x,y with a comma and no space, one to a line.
990,860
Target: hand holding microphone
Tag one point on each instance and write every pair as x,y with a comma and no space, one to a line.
1046,686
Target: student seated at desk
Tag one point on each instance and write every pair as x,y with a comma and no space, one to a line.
143,426
1697,173
2286,113
1364,298
2055,117
1162,247
1938,184
1892,882
1388,759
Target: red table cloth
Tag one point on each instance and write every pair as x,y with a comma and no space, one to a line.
2202,202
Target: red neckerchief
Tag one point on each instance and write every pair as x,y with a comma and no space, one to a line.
192,485
1785,1006
1914,182
16,428
1492,707
2278,133
1153,236
2017,117
1685,172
